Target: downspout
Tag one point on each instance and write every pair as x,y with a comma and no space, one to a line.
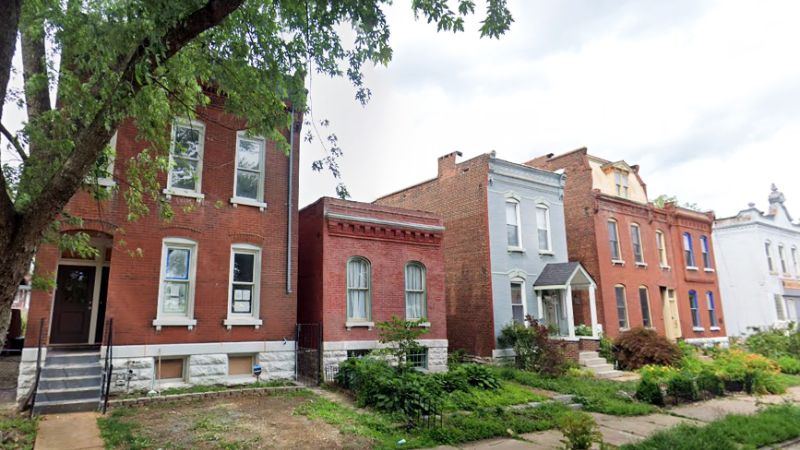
289,209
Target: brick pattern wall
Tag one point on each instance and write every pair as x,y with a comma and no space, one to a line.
213,223
459,195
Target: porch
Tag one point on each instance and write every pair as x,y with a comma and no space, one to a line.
565,296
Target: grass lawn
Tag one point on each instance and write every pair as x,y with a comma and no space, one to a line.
595,394
770,426
475,399
788,381
16,431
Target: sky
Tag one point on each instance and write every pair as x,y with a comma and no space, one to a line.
703,95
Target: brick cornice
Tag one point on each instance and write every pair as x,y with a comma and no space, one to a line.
408,233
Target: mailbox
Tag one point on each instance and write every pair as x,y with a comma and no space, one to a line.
257,371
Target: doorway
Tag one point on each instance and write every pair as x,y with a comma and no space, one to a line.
672,323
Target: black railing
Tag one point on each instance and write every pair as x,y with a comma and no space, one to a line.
38,366
108,366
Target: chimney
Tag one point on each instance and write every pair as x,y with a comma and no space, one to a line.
635,168
447,164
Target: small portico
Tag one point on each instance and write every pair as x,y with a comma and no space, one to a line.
565,295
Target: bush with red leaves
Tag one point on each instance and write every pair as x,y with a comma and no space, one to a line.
641,346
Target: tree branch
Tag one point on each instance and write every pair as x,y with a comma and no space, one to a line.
14,142
34,71
9,12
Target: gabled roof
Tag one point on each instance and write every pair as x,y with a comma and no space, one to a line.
560,274
621,165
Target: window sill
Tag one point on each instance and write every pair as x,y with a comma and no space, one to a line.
709,270
174,322
423,324
714,328
368,325
692,268
236,201
173,193
106,182
667,268
515,249
641,264
617,262
242,322
698,329
546,253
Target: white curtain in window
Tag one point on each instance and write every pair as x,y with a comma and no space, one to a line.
415,292
358,289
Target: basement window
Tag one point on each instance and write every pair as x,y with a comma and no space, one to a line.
170,369
240,365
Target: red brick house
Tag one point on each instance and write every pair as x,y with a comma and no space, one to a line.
199,299
361,264
654,266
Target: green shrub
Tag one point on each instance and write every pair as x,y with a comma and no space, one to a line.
479,376
710,384
579,429
638,347
682,386
606,349
649,391
789,364
583,330
534,350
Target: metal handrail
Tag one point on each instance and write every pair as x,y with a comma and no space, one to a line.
38,366
108,367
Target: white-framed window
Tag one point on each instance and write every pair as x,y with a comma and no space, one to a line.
186,158
795,262
782,257
780,307
694,309
248,182
636,241
613,241
688,250
244,286
712,310
661,244
512,223
177,283
706,253
543,228
644,303
621,182
768,250
518,307
622,306
416,291
103,169
359,282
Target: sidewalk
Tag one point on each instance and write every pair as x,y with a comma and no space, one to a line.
72,431
618,430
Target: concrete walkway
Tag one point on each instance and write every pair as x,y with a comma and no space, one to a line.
618,430
74,431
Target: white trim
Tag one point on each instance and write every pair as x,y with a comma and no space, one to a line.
182,193
197,192
358,324
661,246
698,329
692,268
617,262
550,288
204,348
549,249
186,320
374,344
253,318
259,200
641,264
397,223
714,328
709,270
512,199
708,340
515,249
520,281
424,305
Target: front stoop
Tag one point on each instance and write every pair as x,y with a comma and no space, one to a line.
601,368
70,381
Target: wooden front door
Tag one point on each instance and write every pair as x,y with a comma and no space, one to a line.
72,309
672,322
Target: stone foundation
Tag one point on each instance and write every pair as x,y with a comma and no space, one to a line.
336,352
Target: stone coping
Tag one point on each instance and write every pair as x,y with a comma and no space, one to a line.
238,392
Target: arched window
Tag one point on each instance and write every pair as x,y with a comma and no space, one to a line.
694,309
768,249
712,310
613,240
636,241
622,306
661,244
644,302
543,227
416,294
359,283
518,307
688,250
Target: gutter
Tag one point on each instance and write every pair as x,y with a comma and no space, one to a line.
290,212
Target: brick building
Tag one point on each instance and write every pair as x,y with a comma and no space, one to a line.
361,264
655,266
504,231
199,299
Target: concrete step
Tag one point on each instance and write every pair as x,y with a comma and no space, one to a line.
62,395
593,362
83,381
564,398
583,355
72,370
609,374
600,368
47,407
68,358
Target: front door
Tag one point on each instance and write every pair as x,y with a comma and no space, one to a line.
672,323
552,311
72,309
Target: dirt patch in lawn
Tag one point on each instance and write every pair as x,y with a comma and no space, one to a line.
9,369
244,422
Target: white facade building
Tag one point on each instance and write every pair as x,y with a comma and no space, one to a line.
758,259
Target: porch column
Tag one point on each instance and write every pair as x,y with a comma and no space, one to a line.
570,317
593,310
540,310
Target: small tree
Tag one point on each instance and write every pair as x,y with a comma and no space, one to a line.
401,336
533,348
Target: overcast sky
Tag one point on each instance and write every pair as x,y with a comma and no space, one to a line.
704,95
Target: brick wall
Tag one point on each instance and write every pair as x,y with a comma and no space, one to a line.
459,195
214,224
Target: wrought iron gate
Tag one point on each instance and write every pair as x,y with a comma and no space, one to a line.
308,359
